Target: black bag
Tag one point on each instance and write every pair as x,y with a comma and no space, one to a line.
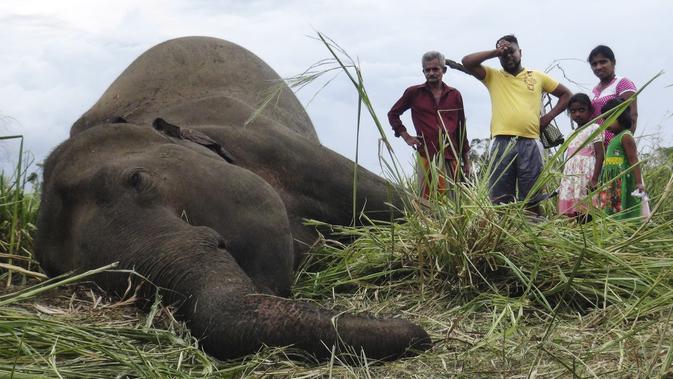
551,136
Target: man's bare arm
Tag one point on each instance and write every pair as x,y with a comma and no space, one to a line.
563,95
472,62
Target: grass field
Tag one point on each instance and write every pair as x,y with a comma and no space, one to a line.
500,296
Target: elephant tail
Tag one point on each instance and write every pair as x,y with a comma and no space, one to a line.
267,320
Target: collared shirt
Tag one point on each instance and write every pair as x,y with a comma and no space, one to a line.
516,101
433,120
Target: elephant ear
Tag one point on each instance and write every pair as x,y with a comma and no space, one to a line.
192,135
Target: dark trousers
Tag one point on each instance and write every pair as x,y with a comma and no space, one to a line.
517,163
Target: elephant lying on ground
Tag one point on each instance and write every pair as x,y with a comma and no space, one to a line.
206,208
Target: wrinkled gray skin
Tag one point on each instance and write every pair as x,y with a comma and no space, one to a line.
219,238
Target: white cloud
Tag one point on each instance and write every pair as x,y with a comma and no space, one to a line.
58,57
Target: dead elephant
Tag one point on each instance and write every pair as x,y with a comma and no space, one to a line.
208,209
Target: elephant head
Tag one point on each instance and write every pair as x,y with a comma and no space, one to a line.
207,210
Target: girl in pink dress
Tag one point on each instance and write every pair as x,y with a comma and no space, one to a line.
584,161
611,86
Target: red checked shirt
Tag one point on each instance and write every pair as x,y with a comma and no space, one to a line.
431,118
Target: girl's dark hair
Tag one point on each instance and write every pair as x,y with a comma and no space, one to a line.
602,50
581,98
624,118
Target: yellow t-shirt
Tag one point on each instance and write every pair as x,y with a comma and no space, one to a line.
516,101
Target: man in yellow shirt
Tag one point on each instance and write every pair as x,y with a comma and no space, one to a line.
516,101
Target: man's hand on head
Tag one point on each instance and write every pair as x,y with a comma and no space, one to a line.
503,47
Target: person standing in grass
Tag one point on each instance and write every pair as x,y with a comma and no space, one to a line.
585,159
611,86
603,62
621,179
439,120
516,102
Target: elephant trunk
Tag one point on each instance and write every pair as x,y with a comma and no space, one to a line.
223,307
257,319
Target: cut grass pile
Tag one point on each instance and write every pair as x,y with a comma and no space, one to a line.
83,335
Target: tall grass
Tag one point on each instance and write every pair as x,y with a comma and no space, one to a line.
481,247
495,261
18,212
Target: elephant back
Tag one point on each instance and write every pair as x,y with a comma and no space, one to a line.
200,80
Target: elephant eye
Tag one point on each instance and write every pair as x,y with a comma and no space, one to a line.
138,179
134,180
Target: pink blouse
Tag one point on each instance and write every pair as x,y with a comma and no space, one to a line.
602,95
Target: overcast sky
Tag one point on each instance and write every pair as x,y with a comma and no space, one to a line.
58,57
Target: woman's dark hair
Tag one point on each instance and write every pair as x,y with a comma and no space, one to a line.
602,50
583,99
624,118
